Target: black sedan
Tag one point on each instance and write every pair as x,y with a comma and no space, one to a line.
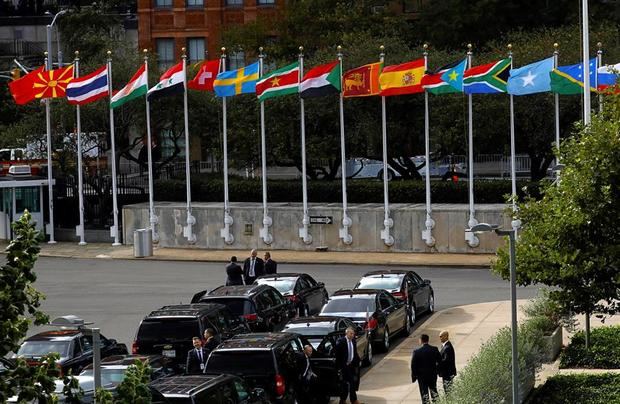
323,331
373,309
308,295
404,285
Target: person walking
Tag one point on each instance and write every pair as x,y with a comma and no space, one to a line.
253,267
196,358
271,266
307,377
234,273
348,363
447,366
424,364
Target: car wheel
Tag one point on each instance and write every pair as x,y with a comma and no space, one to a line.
412,315
390,175
431,303
368,359
385,344
407,327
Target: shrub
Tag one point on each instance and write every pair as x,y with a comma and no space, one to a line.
547,314
579,388
604,352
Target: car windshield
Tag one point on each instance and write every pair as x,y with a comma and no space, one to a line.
284,285
238,306
173,329
40,348
241,362
380,282
356,304
314,330
108,376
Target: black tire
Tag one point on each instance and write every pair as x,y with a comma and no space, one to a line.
431,303
384,345
412,315
367,361
407,327
390,175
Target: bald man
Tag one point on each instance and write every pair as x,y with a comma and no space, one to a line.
447,366
253,267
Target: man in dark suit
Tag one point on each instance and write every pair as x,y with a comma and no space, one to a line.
307,378
234,273
196,358
447,366
253,267
424,364
348,363
211,341
271,267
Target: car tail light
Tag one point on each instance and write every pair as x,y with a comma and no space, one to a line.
251,317
371,324
293,298
280,386
135,348
399,295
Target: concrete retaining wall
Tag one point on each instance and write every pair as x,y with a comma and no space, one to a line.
451,221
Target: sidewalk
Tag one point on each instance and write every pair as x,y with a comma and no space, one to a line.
100,250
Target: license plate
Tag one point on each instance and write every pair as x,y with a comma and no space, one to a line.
170,353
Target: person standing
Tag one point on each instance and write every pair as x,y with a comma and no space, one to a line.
196,358
234,273
253,267
348,363
447,366
271,266
424,364
211,341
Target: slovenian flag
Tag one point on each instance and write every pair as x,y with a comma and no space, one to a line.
171,82
89,88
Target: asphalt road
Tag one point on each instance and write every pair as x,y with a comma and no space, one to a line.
117,294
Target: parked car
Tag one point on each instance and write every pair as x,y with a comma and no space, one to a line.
373,309
302,290
5,365
262,306
404,285
73,345
206,389
264,360
169,330
318,329
368,168
113,370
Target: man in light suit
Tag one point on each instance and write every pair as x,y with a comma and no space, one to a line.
253,267
196,358
447,366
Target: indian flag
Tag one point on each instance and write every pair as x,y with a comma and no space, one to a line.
279,82
322,80
136,87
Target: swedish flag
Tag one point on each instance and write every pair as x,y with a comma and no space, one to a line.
240,81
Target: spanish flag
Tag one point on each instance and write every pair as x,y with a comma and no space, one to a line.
362,81
401,79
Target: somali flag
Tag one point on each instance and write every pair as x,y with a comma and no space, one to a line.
240,81
531,79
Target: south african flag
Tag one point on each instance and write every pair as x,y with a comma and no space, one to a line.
487,79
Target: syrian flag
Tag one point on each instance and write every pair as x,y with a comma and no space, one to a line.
171,82
322,80
89,88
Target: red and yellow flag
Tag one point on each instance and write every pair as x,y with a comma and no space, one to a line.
401,79
53,83
362,81
22,89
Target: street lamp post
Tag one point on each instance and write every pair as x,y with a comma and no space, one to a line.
487,228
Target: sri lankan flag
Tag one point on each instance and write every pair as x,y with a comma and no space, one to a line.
487,79
401,79
53,83
279,82
362,81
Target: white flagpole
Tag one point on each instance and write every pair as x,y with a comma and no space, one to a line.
80,228
427,233
303,231
267,222
599,63
228,220
387,238
153,219
191,220
114,229
556,98
50,187
515,223
471,238
587,108
346,220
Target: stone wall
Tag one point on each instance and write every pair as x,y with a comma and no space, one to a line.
449,231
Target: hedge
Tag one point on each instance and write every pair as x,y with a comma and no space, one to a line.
358,191
579,388
604,352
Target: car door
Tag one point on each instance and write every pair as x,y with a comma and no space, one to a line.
304,291
264,310
324,364
282,310
388,306
418,292
315,294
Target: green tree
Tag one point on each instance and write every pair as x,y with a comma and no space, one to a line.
134,388
570,239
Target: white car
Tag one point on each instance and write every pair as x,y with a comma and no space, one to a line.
360,167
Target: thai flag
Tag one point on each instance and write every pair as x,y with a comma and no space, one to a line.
89,88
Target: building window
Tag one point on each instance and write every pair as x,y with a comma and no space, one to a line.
165,53
163,3
196,48
236,60
266,2
234,3
194,3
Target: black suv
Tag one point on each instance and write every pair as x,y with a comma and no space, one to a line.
169,330
205,389
74,347
262,306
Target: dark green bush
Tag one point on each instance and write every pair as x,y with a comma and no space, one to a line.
604,352
579,388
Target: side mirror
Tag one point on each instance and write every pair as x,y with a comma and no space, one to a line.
427,281
112,341
257,394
